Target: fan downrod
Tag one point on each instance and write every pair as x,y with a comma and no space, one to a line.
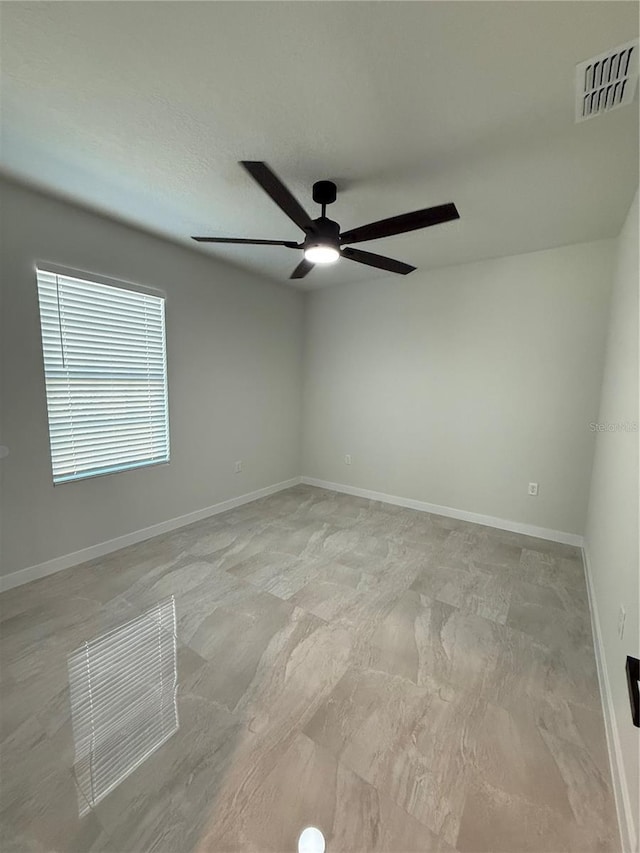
324,192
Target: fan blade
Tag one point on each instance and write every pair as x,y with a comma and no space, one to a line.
274,187
288,243
401,224
376,261
302,269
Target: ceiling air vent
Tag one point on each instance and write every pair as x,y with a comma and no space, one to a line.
607,81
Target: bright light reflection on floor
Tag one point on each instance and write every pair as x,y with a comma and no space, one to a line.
311,840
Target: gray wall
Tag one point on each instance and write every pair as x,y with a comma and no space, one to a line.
611,539
459,386
234,361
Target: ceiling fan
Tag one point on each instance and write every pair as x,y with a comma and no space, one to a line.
324,243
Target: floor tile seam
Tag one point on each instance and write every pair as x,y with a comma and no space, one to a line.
380,794
543,729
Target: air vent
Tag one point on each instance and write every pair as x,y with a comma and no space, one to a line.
607,81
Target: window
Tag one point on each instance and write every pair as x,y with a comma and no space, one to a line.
106,376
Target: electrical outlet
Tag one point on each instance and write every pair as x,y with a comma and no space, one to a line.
347,459
533,489
621,619
238,467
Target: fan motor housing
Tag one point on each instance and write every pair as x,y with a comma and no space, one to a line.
325,232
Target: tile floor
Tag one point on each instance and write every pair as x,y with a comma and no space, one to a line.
405,682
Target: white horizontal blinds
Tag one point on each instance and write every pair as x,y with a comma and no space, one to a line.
105,372
123,699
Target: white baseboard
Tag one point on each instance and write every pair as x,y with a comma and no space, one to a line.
621,792
450,512
32,573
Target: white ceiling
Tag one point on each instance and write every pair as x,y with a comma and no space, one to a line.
142,110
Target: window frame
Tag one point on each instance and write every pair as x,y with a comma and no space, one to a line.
122,284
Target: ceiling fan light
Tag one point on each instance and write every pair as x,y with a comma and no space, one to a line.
321,254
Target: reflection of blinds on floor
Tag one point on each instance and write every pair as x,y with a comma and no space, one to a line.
123,699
